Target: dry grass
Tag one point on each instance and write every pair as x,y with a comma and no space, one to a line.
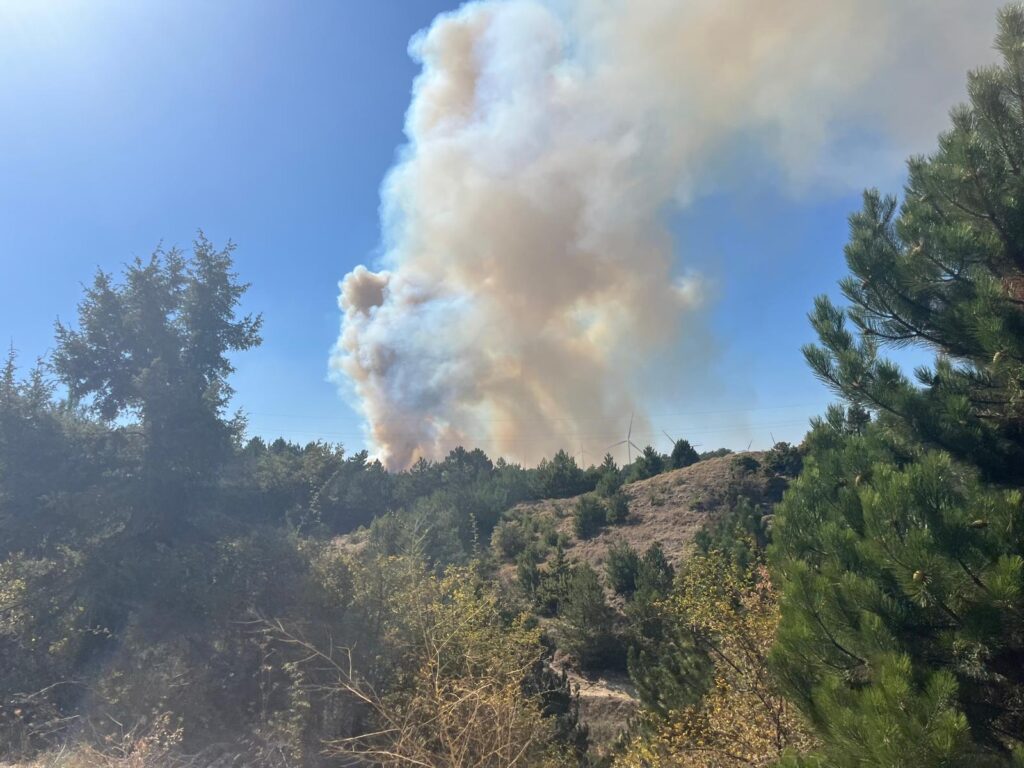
669,508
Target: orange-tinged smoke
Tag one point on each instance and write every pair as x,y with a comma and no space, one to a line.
529,275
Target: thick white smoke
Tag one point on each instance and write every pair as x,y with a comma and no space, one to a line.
529,274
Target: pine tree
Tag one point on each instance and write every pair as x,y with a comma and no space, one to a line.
683,454
609,479
589,517
553,583
648,464
587,622
901,547
655,572
622,568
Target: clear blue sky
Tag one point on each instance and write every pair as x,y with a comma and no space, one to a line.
133,123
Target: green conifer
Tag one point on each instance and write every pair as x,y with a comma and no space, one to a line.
901,547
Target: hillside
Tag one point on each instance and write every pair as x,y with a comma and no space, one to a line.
669,508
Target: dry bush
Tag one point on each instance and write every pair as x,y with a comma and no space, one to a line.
742,719
459,699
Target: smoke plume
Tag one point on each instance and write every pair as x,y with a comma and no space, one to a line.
528,277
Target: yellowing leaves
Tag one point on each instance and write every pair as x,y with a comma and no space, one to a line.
742,719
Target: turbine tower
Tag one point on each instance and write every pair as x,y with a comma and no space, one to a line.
628,442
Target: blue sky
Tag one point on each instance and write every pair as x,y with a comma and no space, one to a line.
130,124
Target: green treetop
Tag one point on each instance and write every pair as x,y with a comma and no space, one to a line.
900,550
156,347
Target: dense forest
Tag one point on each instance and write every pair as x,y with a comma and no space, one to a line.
175,593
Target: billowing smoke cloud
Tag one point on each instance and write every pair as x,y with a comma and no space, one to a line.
528,275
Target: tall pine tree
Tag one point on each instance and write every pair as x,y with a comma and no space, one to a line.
900,550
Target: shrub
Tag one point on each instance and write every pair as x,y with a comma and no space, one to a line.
589,517
745,464
683,455
528,573
622,568
784,459
655,572
617,507
717,453
587,623
553,584
609,483
510,538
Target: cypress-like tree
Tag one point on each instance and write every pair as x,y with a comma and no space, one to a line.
900,549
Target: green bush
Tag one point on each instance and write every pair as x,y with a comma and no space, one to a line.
609,483
784,459
655,573
745,464
715,454
617,508
528,573
683,455
510,538
553,584
589,517
587,623
622,568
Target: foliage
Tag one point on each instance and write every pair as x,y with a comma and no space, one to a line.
716,453
930,556
617,508
745,464
655,574
622,568
510,538
647,464
609,478
460,696
587,624
900,548
784,459
528,573
743,532
157,346
553,584
560,478
683,455
589,516
722,619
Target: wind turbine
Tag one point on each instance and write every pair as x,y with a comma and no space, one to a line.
628,442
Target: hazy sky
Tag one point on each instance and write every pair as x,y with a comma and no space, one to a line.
125,125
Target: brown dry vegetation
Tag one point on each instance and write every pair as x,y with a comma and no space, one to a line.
669,508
